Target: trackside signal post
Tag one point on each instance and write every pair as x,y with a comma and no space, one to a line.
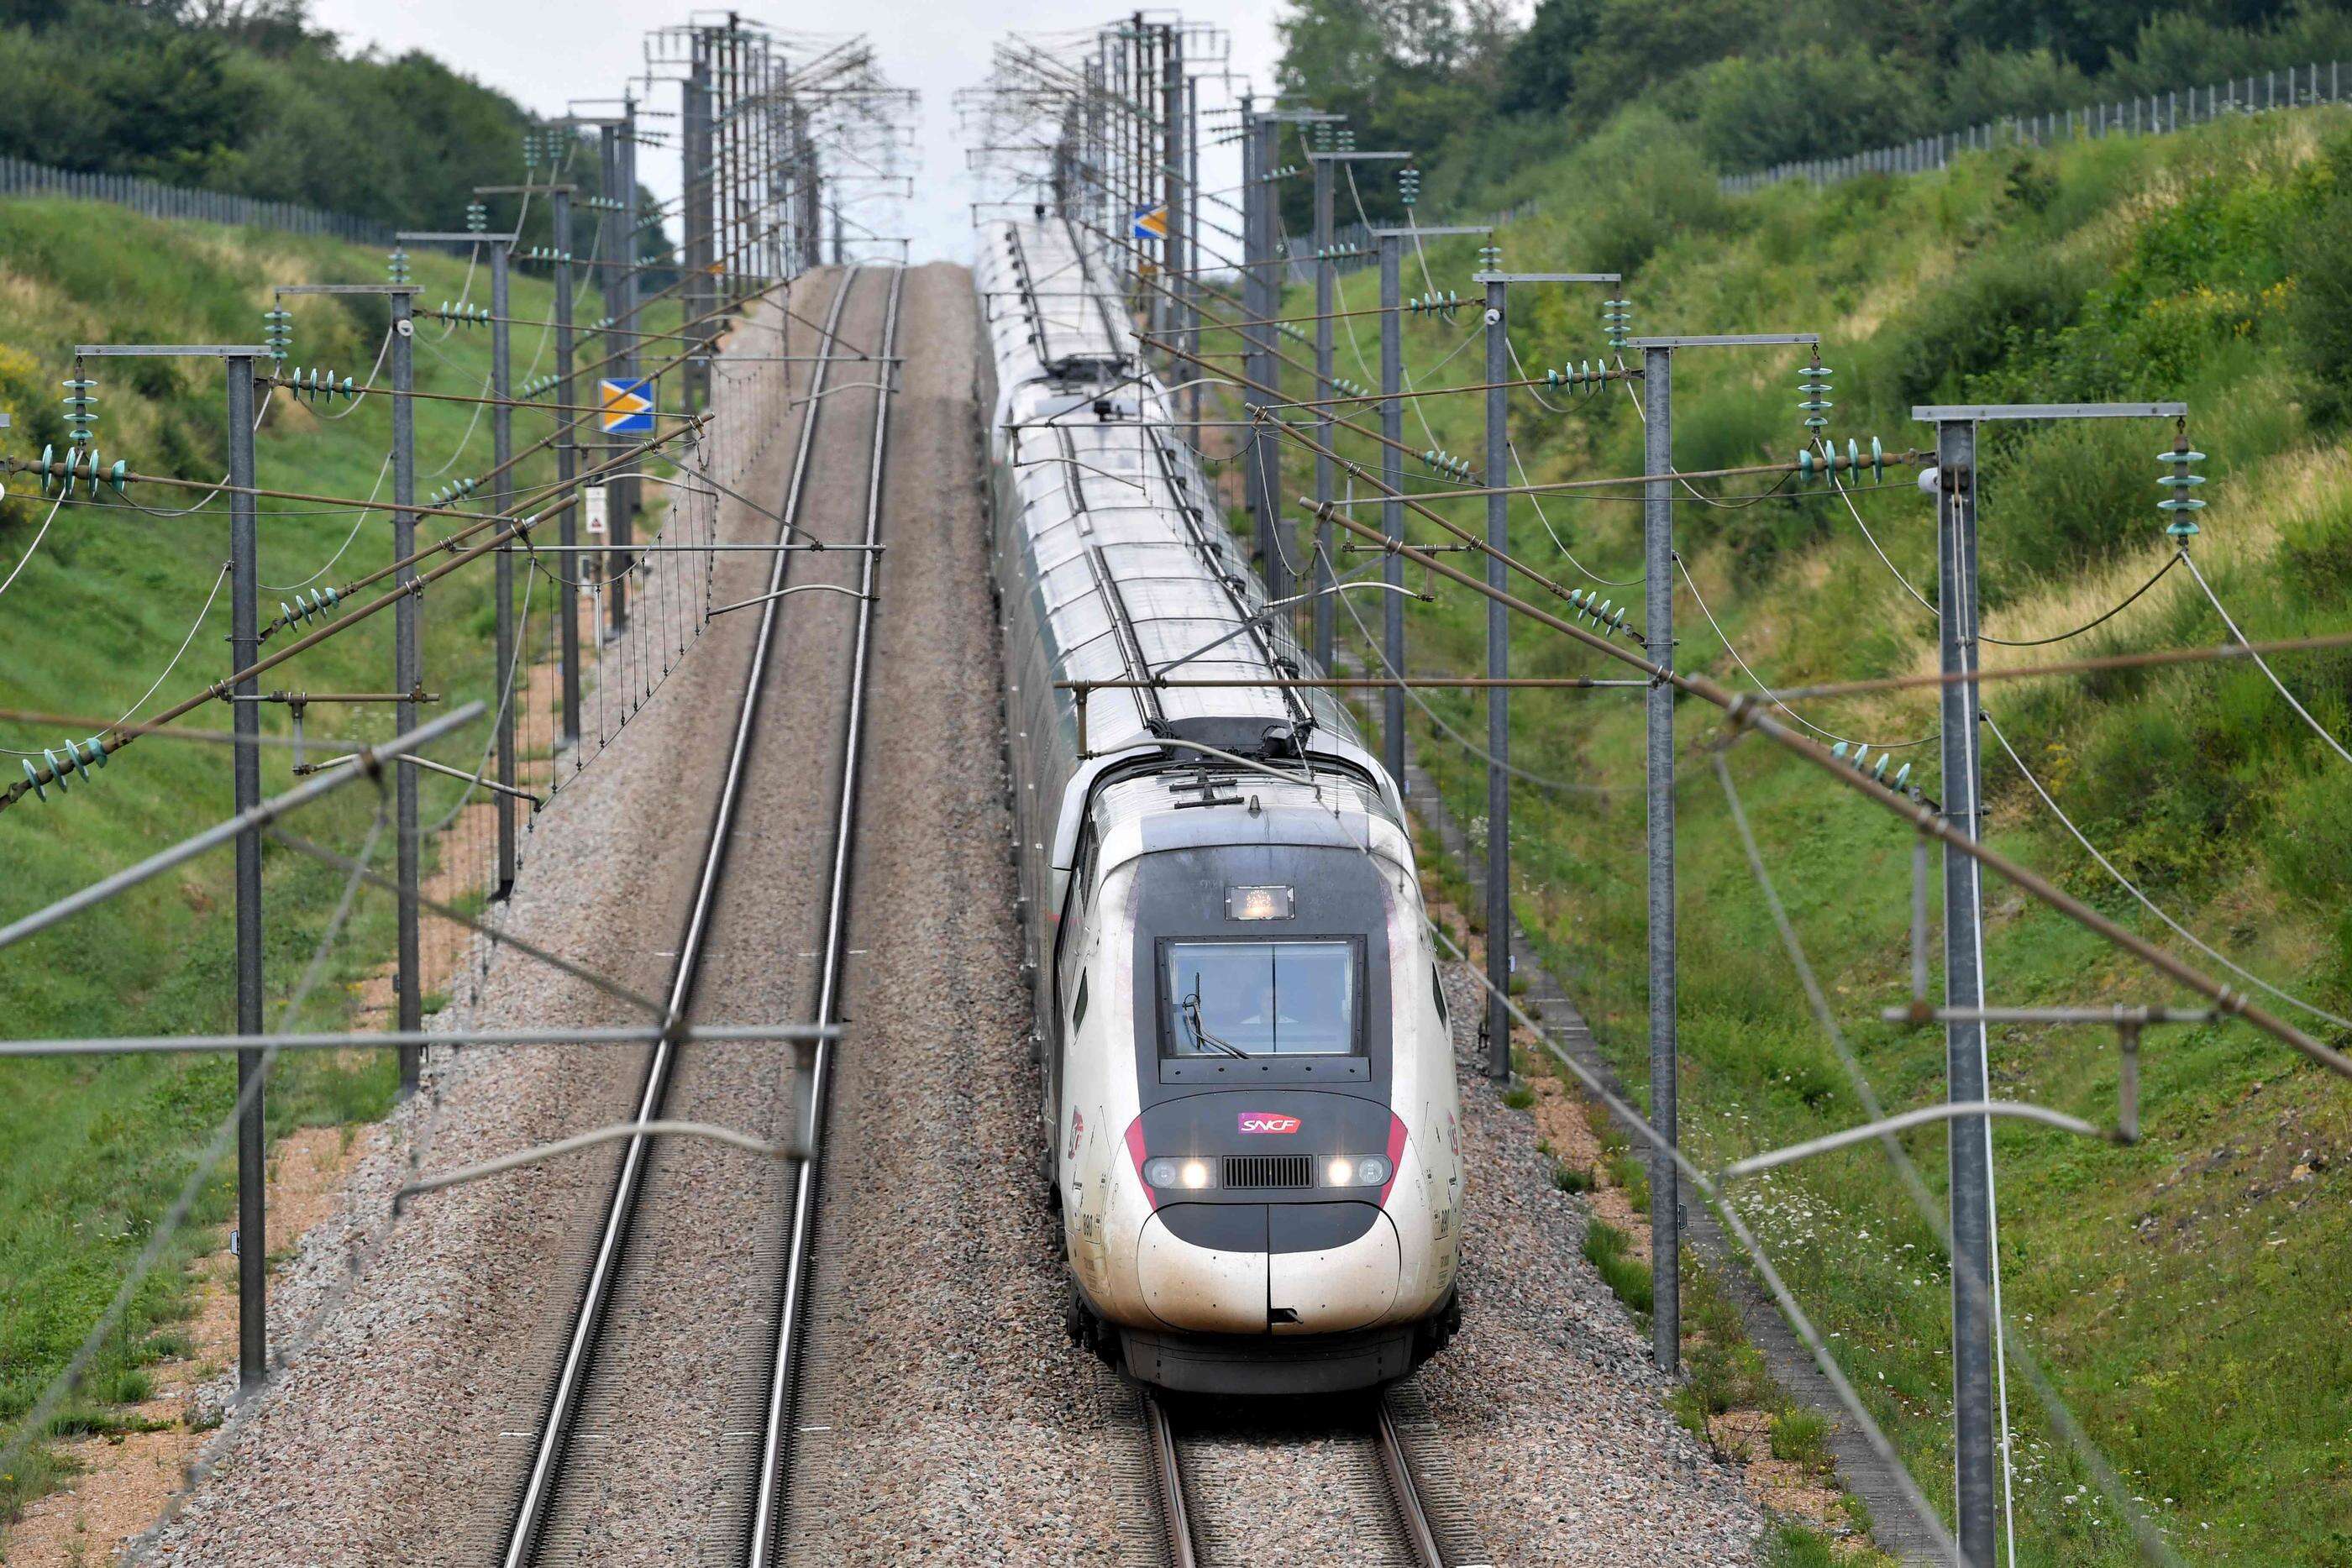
1658,628
1976,1356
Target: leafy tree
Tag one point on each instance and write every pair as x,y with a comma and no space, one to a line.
1540,71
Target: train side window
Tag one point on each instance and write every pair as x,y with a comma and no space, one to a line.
1437,989
1078,1011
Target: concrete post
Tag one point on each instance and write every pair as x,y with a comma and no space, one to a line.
406,677
1498,699
1975,1434
1392,505
567,465
695,145
608,249
1324,279
502,502
1658,611
245,766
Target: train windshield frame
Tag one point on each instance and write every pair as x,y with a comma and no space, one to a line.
1254,998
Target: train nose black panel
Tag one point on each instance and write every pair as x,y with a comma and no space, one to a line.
1317,1227
1268,1227
1227,1227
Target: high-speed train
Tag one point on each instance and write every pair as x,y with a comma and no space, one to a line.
1248,1111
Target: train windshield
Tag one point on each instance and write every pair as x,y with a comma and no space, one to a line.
1260,999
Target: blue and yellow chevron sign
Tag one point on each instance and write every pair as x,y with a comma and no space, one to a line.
628,407
1151,223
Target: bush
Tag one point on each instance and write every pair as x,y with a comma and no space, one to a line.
1994,317
1814,103
2320,259
1983,84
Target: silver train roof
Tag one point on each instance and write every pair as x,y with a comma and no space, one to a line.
1132,560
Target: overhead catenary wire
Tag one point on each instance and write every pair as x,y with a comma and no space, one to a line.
2120,880
2259,663
1914,1187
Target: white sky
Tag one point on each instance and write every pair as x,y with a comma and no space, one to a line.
543,56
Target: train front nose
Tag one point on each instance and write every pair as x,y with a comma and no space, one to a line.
1269,1212
1277,1267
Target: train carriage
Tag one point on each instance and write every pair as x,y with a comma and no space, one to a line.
1248,1106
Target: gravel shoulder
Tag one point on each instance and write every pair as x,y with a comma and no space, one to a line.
1548,1401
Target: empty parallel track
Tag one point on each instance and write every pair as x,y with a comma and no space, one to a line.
533,1532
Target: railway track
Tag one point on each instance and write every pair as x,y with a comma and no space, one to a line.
1351,1479
565,1507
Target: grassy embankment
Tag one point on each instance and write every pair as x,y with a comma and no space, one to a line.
2186,1293
93,1152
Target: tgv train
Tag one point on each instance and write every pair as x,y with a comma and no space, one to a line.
1249,1107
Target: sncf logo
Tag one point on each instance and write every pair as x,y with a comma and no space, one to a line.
1268,1122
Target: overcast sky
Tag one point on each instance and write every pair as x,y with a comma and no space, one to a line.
544,55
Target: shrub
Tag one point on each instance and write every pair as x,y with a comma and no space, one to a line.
1995,316
2320,259
1814,103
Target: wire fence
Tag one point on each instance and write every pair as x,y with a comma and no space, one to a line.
2296,87
156,200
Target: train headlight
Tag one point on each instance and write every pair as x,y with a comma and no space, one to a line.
1192,1175
1356,1170
1260,903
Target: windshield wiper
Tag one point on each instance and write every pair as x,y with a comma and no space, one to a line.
1201,1036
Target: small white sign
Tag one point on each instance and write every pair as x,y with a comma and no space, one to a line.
596,509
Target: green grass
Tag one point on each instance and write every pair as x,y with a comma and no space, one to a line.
1611,1251
93,1152
2186,1292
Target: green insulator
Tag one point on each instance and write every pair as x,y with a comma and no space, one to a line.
2181,506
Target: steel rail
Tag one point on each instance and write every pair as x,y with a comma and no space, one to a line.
1419,1535
1404,1490
765,1531
1168,1479
597,1292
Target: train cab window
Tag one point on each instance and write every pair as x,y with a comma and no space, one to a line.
1437,989
1078,1008
1260,999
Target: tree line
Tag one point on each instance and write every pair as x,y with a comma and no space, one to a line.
1758,83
